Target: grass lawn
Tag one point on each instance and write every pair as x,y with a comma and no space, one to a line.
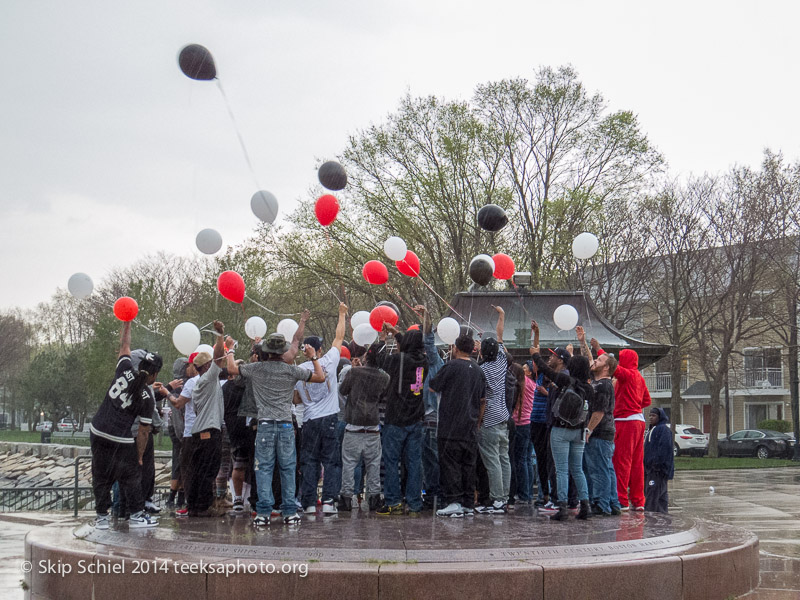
162,442
689,463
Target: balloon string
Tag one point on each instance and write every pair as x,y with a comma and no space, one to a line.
238,134
335,263
399,297
521,303
135,321
583,290
425,283
269,310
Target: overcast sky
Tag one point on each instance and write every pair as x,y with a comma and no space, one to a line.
109,153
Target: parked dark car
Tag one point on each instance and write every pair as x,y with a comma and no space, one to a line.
761,443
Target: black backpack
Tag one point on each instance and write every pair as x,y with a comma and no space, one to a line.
571,406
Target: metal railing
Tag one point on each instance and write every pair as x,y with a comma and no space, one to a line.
75,497
662,382
766,377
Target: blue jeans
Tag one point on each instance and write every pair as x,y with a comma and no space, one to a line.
403,443
430,460
319,447
275,440
358,473
600,471
566,446
522,461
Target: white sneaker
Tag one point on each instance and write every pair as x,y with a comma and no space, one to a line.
142,519
310,510
498,507
329,508
151,508
454,509
468,512
548,508
483,510
101,522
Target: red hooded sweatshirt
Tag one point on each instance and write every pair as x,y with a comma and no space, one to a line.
630,391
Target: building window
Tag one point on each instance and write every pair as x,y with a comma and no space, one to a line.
762,367
760,305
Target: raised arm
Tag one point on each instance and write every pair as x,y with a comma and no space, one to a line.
289,356
125,340
219,347
585,350
501,323
560,379
340,327
534,336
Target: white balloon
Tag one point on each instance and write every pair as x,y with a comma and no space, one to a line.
585,245
287,328
485,257
186,337
359,318
80,285
209,241
565,317
395,248
255,327
448,330
205,348
364,334
264,205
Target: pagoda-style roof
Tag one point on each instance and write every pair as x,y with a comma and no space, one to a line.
523,305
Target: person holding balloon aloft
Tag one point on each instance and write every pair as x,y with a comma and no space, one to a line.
493,443
116,455
402,433
272,383
320,416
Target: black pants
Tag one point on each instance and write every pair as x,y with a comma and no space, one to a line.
149,469
115,462
186,465
656,496
512,487
147,475
206,458
457,470
541,448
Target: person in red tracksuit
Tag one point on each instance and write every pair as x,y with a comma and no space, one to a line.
631,398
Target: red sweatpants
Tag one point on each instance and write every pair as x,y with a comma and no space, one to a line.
629,461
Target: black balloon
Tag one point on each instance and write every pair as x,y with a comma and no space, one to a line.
196,62
332,175
390,305
481,271
492,218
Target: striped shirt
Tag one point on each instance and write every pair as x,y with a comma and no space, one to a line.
495,372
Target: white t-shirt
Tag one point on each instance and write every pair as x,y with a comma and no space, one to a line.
321,399
188,414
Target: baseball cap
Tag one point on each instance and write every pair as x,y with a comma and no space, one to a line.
201,359
562,354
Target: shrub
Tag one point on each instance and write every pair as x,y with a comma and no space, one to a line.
776,425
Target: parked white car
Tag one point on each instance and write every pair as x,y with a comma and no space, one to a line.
689,440
44,426
66,425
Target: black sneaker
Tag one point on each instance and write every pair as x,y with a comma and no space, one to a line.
345,503
395,509
292,519
261,521
374,502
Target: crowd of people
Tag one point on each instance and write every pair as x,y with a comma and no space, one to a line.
395,429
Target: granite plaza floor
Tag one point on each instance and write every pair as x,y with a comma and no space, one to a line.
765,501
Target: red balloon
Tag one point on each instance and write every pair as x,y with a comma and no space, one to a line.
409,265
380,315
503,266
345,353
126,309
231,285
326,209
375,272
